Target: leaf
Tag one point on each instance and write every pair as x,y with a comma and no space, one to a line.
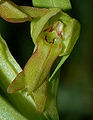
7,112
63,4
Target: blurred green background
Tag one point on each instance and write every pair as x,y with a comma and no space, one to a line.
75,97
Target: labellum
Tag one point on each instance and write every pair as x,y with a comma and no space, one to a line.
54,34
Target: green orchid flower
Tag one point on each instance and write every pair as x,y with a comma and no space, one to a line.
54,34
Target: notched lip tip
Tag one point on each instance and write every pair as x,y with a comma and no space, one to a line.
9,90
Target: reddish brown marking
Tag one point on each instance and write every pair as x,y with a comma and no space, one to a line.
59,33
61,36
51,29
35,51
34,8
46,30
12,20
60,46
